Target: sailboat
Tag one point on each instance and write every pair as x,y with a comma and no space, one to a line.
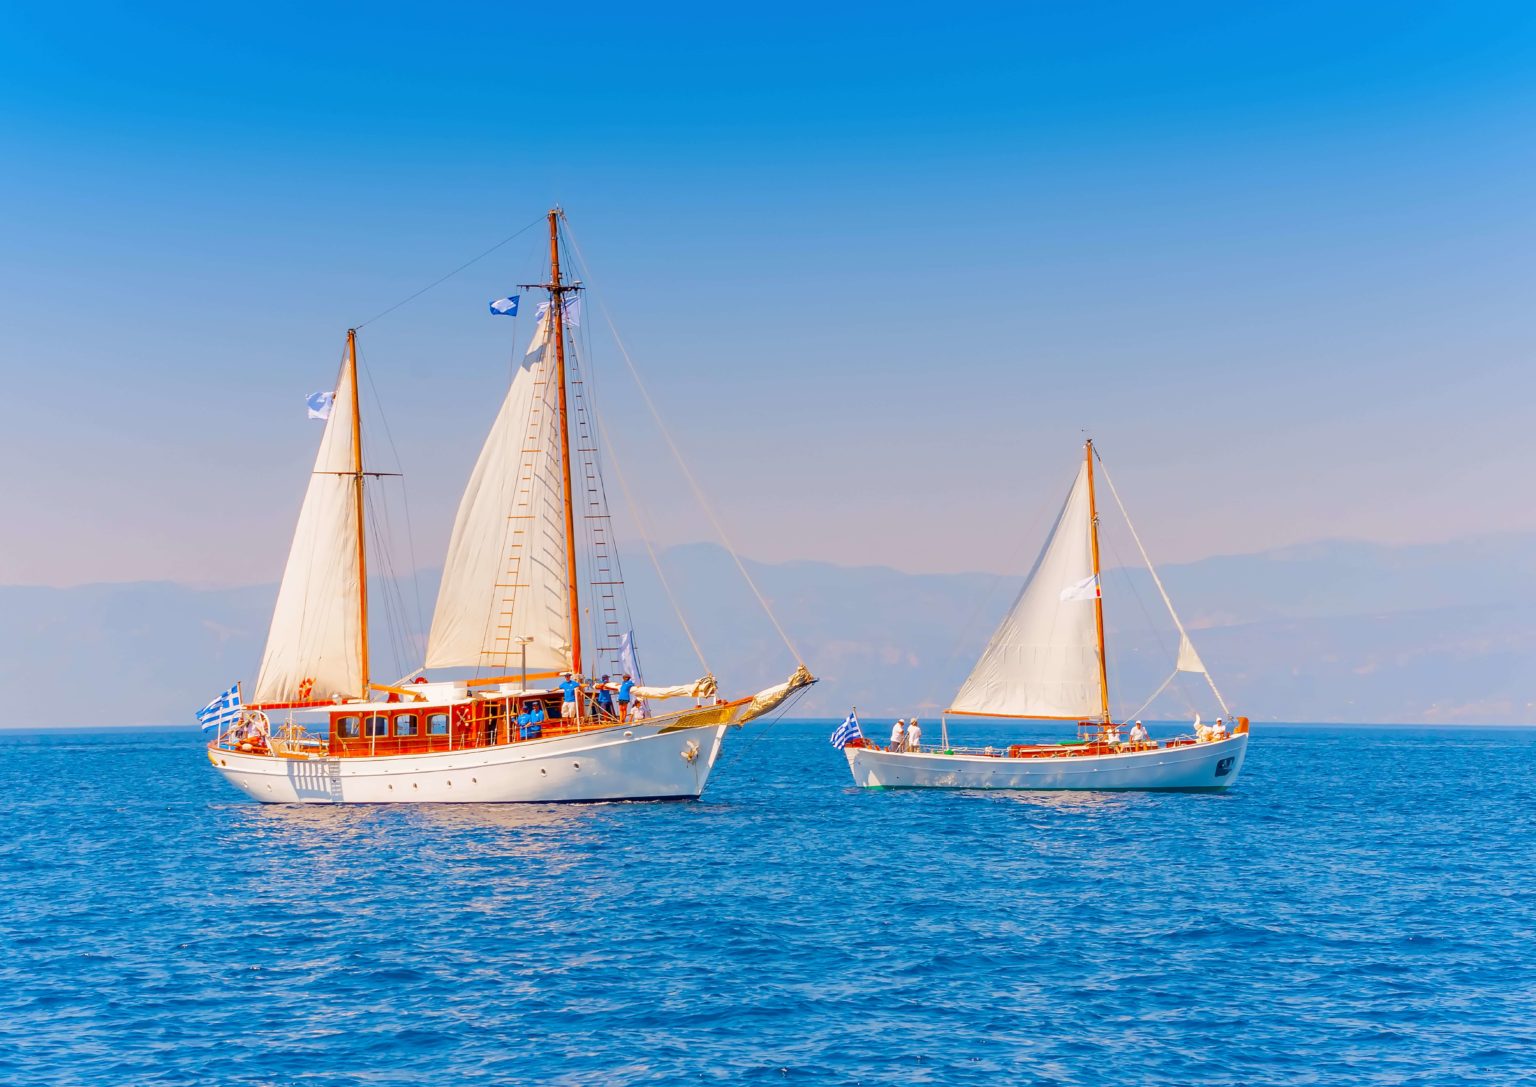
321,730
1046,661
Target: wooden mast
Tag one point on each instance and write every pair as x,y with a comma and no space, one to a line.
557,313
1098,593
357,504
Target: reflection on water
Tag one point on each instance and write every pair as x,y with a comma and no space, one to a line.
1352,913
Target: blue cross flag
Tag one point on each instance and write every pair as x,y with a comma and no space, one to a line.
222,711
848,730
505,307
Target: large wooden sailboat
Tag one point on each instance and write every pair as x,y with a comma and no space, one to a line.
1047,662
320,729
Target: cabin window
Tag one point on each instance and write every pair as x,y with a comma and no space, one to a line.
347,728
405,724
437,724
376,726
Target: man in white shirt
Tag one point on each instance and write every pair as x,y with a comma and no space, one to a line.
1139,733
914,735
1219,732
899,736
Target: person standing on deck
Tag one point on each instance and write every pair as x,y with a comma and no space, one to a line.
625,690
524,719
604,699
536,719
914,735
570,705
899,735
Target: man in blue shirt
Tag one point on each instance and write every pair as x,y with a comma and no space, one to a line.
570,707
625,690
524,719
604,699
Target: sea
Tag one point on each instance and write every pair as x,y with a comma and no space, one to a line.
1360,909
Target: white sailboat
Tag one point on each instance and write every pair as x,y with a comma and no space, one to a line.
507,605
1046,661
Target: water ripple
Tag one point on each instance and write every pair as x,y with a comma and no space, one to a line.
1355,913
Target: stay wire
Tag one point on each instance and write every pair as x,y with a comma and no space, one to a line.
1183,634
410,532
650,548
450,275
698,492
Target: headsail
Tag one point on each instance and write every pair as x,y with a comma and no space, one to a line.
1043,661
314,648
505,575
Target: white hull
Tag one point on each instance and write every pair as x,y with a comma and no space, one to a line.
634,761
1213,765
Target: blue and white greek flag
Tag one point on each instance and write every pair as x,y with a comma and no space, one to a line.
505,307
222,711
848,730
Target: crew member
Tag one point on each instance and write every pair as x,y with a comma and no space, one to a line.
604,699
1139,733
570,705
626,689
899,735
914,735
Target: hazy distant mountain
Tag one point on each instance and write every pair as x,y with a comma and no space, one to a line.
1334,631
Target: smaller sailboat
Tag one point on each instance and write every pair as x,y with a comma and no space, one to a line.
1047,662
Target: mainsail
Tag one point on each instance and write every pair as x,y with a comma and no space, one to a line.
1043,661
505,577
314,648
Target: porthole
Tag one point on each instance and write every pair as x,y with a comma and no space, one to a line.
577,765
543,772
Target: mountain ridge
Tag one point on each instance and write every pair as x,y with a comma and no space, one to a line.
1337,630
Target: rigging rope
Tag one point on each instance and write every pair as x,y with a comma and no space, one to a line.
650,549
698,492
1157,580
450,275
410,533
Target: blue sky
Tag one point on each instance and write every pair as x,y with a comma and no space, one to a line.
881,267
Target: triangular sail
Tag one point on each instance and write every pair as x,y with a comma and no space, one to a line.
505,575
314,648
1043,661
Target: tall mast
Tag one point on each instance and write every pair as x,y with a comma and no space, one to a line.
357,507
1098,592
557,312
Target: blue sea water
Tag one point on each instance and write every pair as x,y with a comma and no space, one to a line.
1361,909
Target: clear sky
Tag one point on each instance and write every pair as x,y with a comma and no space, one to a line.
882,265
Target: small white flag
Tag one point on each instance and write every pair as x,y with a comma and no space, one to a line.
320,404
570,312
1087,589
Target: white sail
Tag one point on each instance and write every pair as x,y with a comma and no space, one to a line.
314,646
505,575
1043,661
